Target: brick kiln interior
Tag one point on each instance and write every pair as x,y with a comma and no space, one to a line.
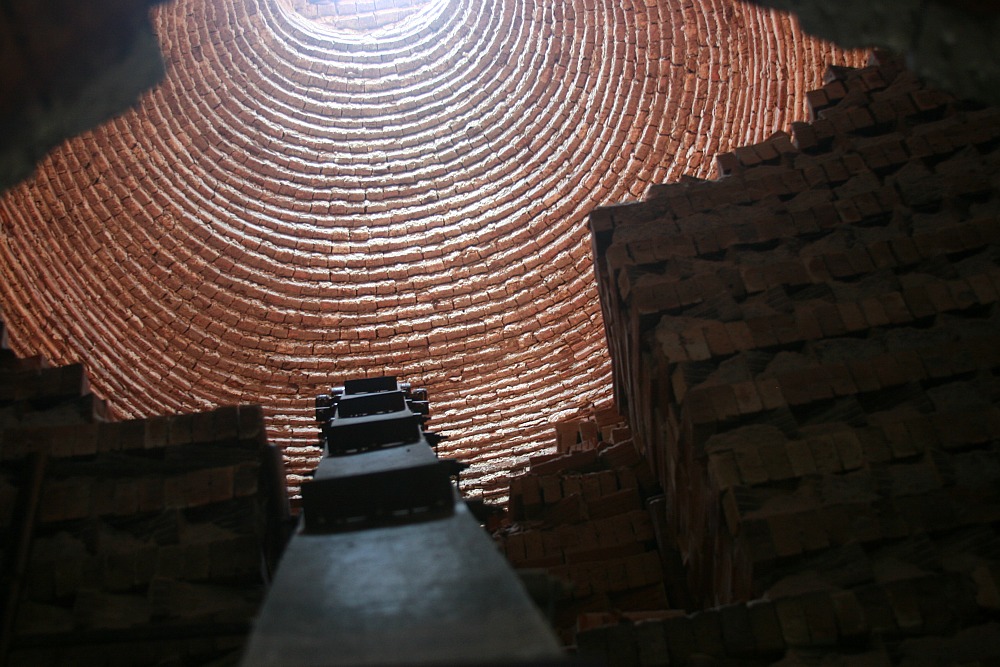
321,191
295,203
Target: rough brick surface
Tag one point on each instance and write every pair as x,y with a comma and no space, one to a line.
147,533
586,514
300,202
808,349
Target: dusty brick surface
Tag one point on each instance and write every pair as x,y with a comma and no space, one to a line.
300,202
808,349
140,525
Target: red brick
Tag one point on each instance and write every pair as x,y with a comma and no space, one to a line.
748,400
874,312
740,335
852,317
983,288
769,390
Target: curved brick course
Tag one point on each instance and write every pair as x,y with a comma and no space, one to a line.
301,202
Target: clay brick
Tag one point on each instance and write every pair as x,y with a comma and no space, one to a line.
852,317
770,394
912,366
179,430
681,640
740,335
919,303
706,627
889,371
785,330
801,457
695,345
922,434
824,455
874,312
737,631
881,255
897,437
905,606
765,626
818,610
849,449
748,400
762,333
651,643
699,408
940,297
551,489
807,325
752,469
755,540
804,386
225,423
718,340
156,430
250,425
895,308
151,495
723,470
864,376
774,458
792,618
840,379
531,491
905,251
987,580
962,294
785,535
874,445
838,266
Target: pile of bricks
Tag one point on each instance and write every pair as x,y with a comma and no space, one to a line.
807,348
134,541
583,514
932,619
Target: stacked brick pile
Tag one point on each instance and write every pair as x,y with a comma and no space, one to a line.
130,542
583,515
809,348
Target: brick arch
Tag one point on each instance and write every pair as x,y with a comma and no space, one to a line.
365,18
287,209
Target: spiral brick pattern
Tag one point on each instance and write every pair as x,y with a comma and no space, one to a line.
303,201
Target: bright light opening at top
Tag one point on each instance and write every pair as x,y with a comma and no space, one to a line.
370,20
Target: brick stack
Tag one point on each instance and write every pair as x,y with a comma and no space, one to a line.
808,349
583,515
128,542
401,193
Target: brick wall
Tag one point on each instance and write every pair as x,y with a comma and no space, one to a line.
364,17
291,206
808,349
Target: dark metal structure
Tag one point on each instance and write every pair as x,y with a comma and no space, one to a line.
388,565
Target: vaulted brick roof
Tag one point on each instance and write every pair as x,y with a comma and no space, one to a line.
300,202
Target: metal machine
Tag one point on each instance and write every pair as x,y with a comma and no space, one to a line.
388,565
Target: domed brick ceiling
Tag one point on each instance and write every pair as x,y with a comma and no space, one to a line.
303,201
